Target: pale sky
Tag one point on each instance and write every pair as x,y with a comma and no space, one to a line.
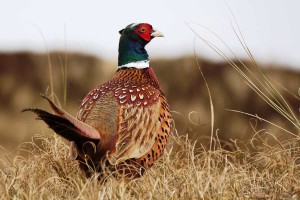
271,28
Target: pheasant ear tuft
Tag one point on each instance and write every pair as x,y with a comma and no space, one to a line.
121,31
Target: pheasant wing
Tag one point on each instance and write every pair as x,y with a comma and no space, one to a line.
137,123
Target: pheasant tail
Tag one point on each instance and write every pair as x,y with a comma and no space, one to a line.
65,125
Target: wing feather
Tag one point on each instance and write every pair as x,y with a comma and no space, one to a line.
136,130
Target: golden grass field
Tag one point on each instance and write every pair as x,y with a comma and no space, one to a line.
184,172
242,157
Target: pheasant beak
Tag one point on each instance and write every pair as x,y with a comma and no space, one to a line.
156,33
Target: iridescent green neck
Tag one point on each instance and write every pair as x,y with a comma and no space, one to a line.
131,51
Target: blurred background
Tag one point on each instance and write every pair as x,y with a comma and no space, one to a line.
79,40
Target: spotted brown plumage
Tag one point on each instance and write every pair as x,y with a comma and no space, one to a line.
125,121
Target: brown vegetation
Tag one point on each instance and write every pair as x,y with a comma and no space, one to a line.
24,76
247,159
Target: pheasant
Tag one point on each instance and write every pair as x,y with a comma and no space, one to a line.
125,122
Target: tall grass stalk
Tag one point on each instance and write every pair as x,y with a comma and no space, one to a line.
256,80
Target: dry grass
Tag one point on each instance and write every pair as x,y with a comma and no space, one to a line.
184,172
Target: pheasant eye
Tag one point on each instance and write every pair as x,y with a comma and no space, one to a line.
143,29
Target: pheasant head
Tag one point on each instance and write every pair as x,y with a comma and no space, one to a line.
132,44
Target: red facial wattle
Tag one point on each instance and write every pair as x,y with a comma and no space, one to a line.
144,31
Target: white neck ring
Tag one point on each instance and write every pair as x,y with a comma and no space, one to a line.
138,64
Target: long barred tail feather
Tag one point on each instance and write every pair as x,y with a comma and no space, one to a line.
61,126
